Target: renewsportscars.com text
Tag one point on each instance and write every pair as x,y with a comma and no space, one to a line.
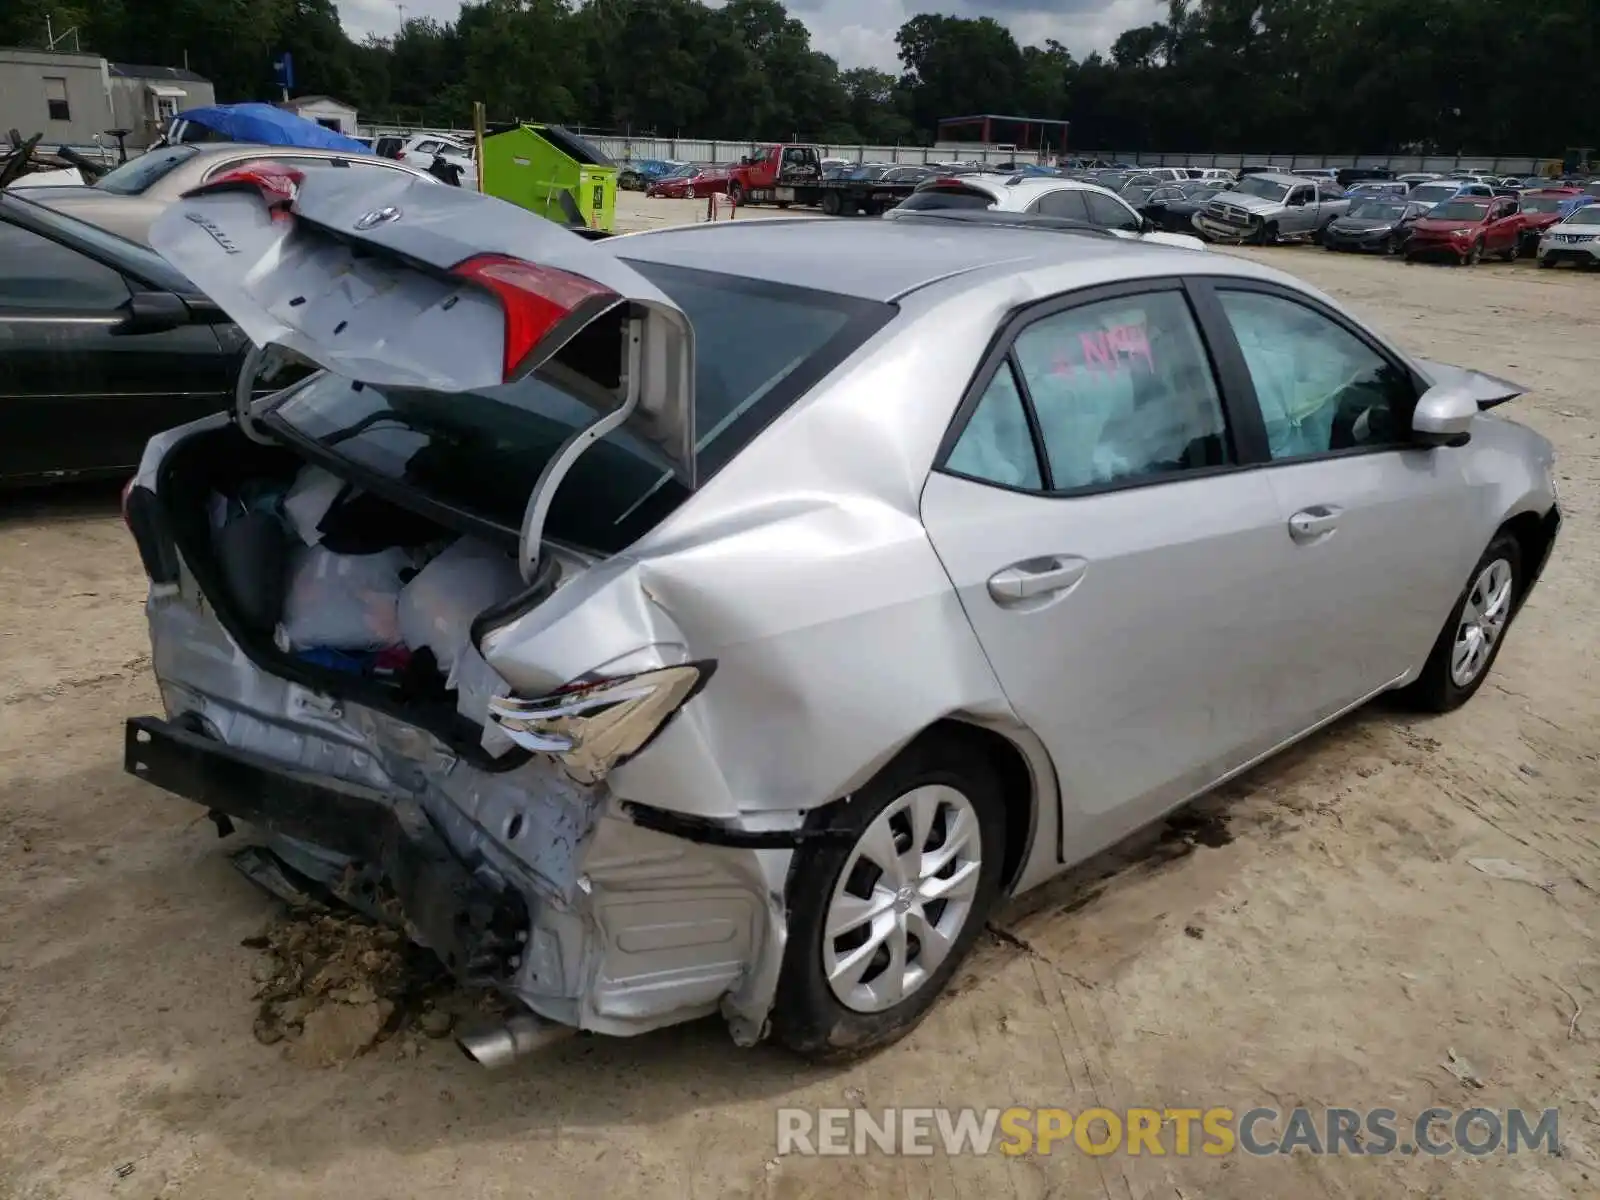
1158,1132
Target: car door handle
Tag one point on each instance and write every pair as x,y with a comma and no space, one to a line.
1309,524
1035,577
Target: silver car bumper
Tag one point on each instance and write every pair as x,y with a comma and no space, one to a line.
591,914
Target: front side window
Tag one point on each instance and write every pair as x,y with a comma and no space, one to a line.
1110,214
1122,391
1320,388
37,274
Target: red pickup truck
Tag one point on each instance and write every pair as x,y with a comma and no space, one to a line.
792,174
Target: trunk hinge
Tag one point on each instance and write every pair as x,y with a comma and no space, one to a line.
261,362
538,510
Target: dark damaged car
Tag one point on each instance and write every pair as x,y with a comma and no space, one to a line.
1377,226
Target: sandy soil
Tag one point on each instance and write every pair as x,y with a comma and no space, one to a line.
1315,935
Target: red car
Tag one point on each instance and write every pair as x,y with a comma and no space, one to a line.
693,182
1543,207
1463,230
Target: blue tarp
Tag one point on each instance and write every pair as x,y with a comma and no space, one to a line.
270,126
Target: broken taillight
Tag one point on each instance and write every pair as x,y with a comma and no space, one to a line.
536,300
276,183
594,726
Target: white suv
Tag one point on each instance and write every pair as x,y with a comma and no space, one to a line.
1042,195
1575,239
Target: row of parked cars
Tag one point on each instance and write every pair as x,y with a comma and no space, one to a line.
1459,218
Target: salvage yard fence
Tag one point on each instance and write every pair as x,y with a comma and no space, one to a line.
629,149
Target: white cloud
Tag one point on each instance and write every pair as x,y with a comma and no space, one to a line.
858,33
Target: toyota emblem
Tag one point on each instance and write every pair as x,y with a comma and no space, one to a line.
378,216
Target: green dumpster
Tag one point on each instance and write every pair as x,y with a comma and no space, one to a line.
551,171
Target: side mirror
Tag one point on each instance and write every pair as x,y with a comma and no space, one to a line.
153,312
1444,416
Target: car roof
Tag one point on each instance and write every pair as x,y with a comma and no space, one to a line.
884,260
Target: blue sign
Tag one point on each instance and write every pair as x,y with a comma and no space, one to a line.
283,70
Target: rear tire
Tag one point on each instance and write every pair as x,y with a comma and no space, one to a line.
1470,641
871,982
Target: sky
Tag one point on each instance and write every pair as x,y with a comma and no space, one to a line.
860,33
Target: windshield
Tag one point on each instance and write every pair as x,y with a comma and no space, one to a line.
1254,185
1461,210
758,347
1434,193
1378,210
1542,204
138,174
1589,214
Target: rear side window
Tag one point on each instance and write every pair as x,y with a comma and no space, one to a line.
1067,202
1122,392
758,348
946,196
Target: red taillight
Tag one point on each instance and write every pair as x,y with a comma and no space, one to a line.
276,183
535,298
127,490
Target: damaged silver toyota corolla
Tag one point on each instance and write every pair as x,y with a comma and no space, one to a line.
727,617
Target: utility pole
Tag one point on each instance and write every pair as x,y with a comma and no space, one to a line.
402,9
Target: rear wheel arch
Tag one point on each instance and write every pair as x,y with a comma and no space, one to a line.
1002,757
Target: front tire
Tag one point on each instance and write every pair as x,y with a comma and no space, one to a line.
878,923
1472,636
830,204
1475,255
736,195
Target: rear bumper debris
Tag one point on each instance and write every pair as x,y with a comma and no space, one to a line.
475,929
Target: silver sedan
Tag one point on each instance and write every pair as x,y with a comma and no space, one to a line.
728,618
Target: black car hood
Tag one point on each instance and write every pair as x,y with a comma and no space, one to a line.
1363,224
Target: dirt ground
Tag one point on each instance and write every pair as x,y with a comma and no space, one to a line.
1315,935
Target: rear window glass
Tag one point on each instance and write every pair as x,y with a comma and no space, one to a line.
945,197
758,347
139,174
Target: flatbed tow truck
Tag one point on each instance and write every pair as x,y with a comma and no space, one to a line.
791,173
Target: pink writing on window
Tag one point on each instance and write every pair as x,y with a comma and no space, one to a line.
1114,349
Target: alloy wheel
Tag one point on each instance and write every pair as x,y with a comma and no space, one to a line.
1483,619
903,898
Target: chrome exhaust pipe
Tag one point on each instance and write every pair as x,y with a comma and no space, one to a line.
495,1046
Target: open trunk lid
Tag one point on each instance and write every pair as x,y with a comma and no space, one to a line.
404,284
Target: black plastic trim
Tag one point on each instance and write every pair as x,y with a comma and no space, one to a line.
708,831
148,524
474,928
